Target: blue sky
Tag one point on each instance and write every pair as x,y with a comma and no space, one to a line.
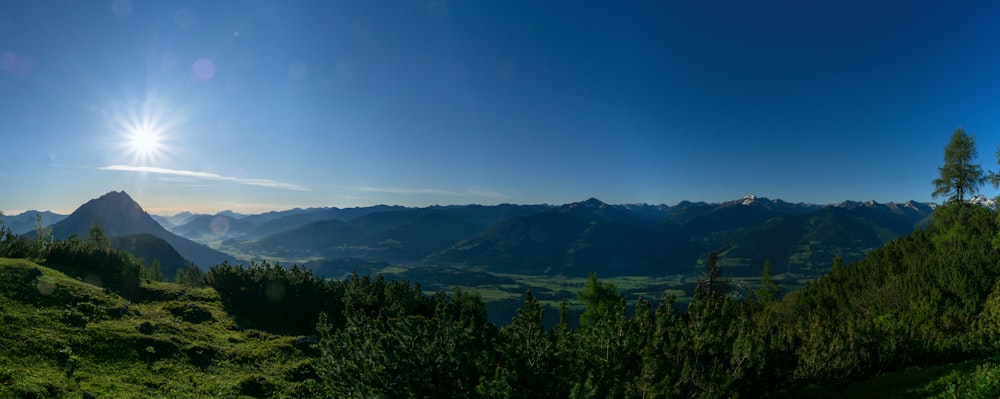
257,105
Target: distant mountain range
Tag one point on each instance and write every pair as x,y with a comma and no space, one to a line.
573,239
26,221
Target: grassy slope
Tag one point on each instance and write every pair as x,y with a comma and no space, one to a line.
60,337
54,344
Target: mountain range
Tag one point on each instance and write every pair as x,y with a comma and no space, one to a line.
27,221
572,239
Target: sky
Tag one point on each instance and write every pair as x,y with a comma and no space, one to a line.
254,106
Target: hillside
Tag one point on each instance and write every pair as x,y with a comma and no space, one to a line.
149,249
62,337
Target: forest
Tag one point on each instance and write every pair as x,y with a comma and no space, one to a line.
929,298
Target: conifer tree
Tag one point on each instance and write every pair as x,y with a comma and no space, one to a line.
959,174
769,288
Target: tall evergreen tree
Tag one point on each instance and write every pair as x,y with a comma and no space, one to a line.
713,285
959,174
769,289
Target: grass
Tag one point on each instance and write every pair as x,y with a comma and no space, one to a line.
62,337
970,379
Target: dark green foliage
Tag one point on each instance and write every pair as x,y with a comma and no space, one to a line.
191,276
396,342
530,364
189,312
92,259
915,301
256,386
109,268
713,284
265,294
152,250
769,289
601,300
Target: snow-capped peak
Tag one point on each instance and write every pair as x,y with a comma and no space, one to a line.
982,200
748,199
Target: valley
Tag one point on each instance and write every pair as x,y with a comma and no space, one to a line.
503,250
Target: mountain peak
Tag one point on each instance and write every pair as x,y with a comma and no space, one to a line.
120,215
983,200
748,199
589,203
116,211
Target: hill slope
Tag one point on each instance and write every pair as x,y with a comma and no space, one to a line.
68,337
149,249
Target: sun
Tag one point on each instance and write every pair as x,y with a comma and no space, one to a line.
143,129
144,142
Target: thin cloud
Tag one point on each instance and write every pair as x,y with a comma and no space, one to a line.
431,191
205,176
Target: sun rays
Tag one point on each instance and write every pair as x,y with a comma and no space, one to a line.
144,131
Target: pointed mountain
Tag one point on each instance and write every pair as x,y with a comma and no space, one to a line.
120,215
115,211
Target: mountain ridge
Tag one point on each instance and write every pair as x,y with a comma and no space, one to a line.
573,239
120,215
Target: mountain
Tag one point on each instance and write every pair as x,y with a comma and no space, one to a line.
808,243
119,215
231,214
289,220
591,236
390,234
316,239
208,228
25,221
982,200
149,248
574,239
171,221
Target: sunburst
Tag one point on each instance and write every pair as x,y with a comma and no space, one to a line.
143,130
145,144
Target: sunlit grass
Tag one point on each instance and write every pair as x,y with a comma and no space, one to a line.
42,354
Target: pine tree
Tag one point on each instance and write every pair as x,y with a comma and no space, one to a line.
713,285
959,174
769,289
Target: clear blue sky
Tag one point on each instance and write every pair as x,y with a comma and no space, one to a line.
259,105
